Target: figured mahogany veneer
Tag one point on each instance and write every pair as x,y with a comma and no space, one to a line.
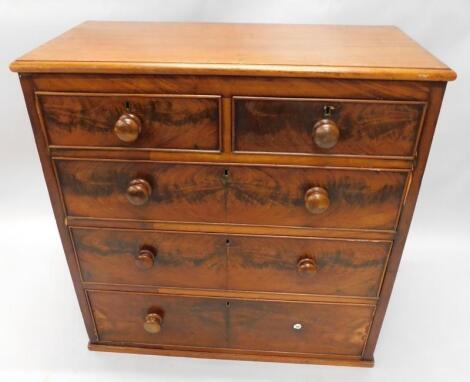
157,122
272,196
233,191
220,323
231,262
327,126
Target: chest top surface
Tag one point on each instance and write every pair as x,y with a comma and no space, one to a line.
372,52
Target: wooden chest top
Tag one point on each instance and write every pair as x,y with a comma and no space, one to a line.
236,49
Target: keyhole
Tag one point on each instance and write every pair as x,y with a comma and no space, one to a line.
328,110
226,173
127,106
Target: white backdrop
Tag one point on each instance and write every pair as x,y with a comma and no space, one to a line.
426,332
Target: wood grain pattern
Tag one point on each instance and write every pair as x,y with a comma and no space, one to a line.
191,321
435,101
366,128
235,229
181,259
235,158
231,262
239,324
235,354
243,49
228,86
179,193
249,273
234,194
363,199
168,122
325,328
347,268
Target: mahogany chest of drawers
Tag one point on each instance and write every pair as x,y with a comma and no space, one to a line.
233,191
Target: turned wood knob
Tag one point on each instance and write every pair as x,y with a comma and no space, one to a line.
153,323
127,127
316,200
138,192
145,259
325,133
307,265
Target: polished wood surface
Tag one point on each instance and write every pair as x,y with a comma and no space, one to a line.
145,259
153,323
242,49
99,189
435,101
310,265
253,208
138,192
233,86
239,324
299,327
180,259
269,196
307,265
188,321
357,199
325,133
374,128
233,354
131,120
231,262
127,128
317,200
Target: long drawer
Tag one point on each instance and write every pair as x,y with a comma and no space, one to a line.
231,262
164,321
256,195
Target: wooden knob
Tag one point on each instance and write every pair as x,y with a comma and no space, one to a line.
138,192
316,200
145,259
127,127
307,265
325,133
153,323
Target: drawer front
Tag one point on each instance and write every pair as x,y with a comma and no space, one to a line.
163,122
258,195
242,263
299,327
315,328
186,321
310,266
358,199
101,189
363,128
164,259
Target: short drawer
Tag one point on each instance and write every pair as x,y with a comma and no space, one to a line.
166,321
327,126
256,195
231,262
168,122
152,258
307,265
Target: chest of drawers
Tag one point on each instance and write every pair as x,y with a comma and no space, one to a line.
233,191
